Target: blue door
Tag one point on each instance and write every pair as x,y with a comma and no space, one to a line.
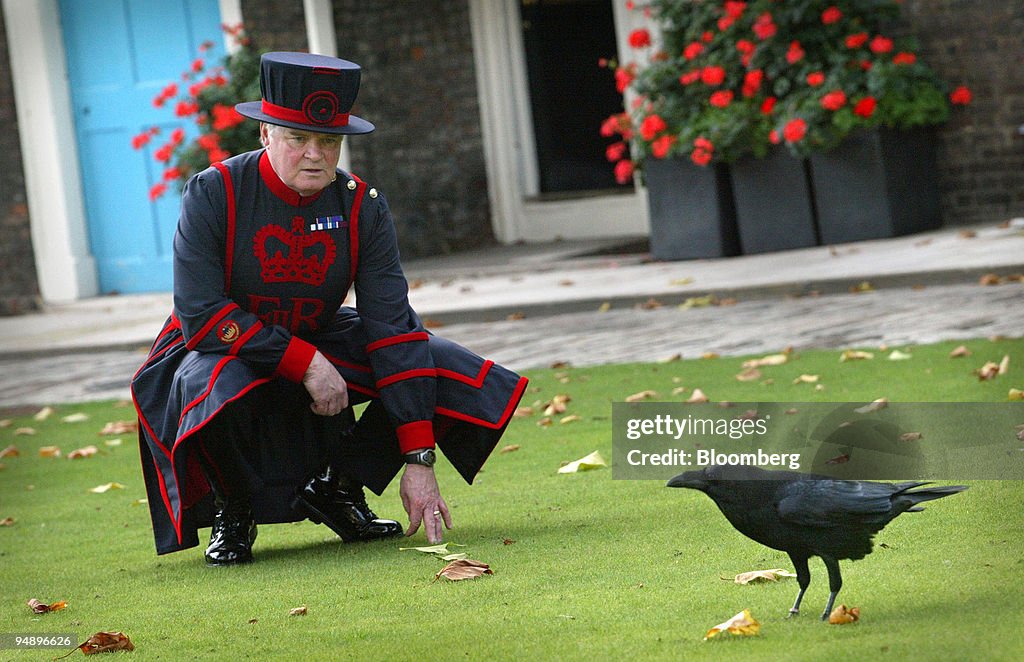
121,54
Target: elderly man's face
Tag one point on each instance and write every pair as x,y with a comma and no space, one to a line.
304,160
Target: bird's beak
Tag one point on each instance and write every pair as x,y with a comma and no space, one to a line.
692,479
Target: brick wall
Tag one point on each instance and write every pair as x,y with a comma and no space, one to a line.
19,288
275,25
978,43
419,89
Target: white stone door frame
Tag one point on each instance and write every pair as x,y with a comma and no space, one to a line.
509,147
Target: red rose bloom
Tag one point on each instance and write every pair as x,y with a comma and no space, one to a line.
172,173
701,157
186,108
904,58
652,126
707,36
164,153
721,98
693,49
700,142
795,130
198,64
834,100
764,28
157,190
225,117
831,15
623,171
139,141
734,9
773,137
712,75
209,141
615,151
725,22
768,105
623,77
640,38
690,77
745,46
795,52
661,146
961,96
865,107
815,78
857,40
752,82
217,155
880,45
177,136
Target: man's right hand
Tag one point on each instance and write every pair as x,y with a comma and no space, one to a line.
326,386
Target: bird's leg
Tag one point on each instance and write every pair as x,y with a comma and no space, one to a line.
835,582
803,578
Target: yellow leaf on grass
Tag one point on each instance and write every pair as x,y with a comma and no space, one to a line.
749,375
87,451
463,569
43,414
298,611
855,355
758,576
431,549
1016,395
119,427
1004,365
897,355
557,405
570,419
742,624
24,432
697,397
49,451
959,352
642,395
771,359
911,436
806,379
522,412
10,451
5,422
841,615
75,418
7,521
112,442
604,307
106,487
511,448
592,461
988,371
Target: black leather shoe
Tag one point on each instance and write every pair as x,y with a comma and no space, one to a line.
331,499
234,532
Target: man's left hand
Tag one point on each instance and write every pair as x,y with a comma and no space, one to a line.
422,500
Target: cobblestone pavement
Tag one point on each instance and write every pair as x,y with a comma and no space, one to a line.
891,316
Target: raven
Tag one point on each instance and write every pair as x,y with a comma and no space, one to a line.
808,515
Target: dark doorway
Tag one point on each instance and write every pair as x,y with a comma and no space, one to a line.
570,95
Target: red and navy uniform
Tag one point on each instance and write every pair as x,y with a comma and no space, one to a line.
260,274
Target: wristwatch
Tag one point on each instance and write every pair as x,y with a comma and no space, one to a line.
426,457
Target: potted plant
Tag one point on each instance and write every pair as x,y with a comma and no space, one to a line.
762,85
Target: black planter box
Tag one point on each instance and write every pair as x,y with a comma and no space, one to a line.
774,210
691,210
877,183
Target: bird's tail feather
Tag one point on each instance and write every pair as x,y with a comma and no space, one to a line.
918,496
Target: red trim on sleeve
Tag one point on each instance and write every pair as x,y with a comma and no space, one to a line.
418,434
210,323
353,229
395,340
296,360
244,338
475,382
405,374
229,237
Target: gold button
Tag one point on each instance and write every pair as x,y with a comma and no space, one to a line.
351,184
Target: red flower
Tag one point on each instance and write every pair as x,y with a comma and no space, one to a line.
652,126
707,36
690,77
795,52
172,173
623,171
661,146
961,96
904,58
610,126
768,105
205,46
140,140
615,151
752,82
164,153
701,157
734,9
865,107
198,64
773,137
693,49
157,190
217,155
725,23
721,98
795,130
177,136
834,100
640,38
745,46
856,40
209,141
700,142
186,108
764,28
831,15
880,44
815,78
623,77
712,75
225,117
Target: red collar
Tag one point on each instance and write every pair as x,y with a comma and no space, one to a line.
279,188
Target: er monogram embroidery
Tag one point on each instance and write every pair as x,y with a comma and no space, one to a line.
307,259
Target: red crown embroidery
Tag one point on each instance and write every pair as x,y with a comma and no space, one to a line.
301,264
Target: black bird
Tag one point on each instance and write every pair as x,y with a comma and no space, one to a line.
806,515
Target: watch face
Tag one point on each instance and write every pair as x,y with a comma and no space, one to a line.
429,457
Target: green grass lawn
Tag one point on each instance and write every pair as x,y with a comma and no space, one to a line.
584,566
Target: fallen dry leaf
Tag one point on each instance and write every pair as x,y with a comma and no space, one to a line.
855,355
511,448
651,304
769,360
106,487
515,317
742,624
967,234
437,550
87,451
49,451
43,414
24,432
681,281
604,307
759,576
107,642
463,569
671,359
507,541
10,451
592,461
959,352
5,422
558,365
839,459
522,412
697,397
642,395
841,615
1004,365
698,302
911,436
873,406
557,405
119,427
7,521
897,355
112,442
43,608
1015,395
710,355
863,286
75,418
679,390
990,279
749,375
298,611
570,419
988,371
806,379
545,422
